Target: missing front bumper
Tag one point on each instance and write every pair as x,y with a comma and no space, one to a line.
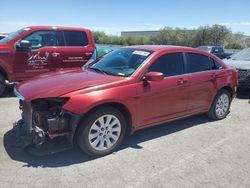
44,132
48,147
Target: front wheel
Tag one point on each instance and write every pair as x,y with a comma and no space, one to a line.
102,131
220,106
2,84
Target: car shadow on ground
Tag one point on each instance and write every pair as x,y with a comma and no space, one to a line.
243,94
75,156
9,91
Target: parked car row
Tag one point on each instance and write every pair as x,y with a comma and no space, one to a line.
216,50
241,61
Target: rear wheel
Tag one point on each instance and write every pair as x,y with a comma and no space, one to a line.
220,106
2,84
101,132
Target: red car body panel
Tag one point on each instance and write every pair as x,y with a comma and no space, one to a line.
150,104
14,63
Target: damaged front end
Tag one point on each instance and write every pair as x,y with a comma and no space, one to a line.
44,120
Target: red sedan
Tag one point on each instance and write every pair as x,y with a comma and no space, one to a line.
128,89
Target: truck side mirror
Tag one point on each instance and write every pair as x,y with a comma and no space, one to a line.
23,45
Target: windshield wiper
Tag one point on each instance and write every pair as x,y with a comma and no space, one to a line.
97,69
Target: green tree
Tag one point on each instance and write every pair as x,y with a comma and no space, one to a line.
204,35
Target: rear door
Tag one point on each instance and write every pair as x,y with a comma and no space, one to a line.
77,50
43,57
203,81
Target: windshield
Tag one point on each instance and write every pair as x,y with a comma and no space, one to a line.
121,62
243,55
11,36
205,48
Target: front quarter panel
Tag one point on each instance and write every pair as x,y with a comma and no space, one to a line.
82,102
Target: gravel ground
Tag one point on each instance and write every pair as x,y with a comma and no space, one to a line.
194,152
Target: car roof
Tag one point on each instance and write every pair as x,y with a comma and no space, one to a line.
57,27
161,47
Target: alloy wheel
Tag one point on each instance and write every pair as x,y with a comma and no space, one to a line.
104,132
222,105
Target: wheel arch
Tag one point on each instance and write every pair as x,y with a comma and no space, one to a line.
226,87
229,89
119,106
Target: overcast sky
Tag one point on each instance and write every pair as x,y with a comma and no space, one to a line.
114,16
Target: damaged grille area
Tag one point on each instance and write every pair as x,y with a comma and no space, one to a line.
44,117
49,116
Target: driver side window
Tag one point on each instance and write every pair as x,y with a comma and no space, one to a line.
40,39
169,65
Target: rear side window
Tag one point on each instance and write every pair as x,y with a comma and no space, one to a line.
199,63
169,65
75,38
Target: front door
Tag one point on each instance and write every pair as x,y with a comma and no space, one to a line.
43,57
166,99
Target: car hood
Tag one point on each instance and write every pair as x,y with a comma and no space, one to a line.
238,64
62,82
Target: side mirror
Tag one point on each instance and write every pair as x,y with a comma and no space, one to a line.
23,45
154,76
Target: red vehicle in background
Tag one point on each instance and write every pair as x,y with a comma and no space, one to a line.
127,89
35,50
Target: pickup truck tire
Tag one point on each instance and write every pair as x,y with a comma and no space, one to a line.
2,84
220,106
102,131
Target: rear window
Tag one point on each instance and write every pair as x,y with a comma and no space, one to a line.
199,63
75,38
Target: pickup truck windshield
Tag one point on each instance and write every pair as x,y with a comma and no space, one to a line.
11,36
243,55
121,62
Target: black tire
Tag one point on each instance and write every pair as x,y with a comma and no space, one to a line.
212,112
85,126
2,84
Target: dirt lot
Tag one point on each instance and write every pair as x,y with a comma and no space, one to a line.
193,152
